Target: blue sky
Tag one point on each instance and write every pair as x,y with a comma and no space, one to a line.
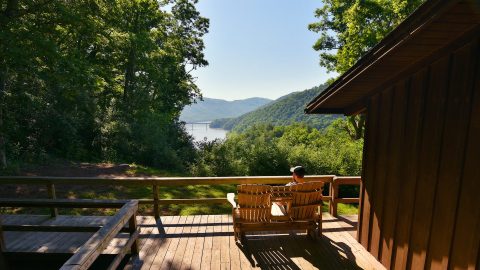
259,48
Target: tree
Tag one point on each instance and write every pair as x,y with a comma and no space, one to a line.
98,79
350,28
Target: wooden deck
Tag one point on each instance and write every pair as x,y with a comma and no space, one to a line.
206,242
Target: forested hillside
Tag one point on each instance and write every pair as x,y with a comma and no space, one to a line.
210,109
281,112
98,80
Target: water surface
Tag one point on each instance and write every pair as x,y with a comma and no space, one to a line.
200,131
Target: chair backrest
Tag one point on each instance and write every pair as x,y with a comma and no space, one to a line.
306,198
254,202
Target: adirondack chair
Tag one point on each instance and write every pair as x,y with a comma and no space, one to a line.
253,207
306,205
267,208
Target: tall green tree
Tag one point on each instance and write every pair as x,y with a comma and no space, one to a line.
98,79
350,28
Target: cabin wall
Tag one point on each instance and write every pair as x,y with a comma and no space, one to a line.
420,201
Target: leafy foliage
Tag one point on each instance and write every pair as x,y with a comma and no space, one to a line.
271,150
97,79
348,29
286,110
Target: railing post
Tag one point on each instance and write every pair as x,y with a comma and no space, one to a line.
2,239
132,228
52,195
334,195
156,209
3,264
330,203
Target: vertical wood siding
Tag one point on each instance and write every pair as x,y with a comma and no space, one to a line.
421,174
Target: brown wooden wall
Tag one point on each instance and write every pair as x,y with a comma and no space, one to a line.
421,191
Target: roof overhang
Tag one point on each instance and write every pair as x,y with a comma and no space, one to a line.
431,29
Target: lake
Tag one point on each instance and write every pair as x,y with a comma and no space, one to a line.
199,131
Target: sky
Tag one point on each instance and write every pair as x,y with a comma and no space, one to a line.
259,48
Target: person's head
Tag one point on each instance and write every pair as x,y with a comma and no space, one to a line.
298,173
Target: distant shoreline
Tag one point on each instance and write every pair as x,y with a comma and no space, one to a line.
202,122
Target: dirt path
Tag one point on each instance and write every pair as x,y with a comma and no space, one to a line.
79,170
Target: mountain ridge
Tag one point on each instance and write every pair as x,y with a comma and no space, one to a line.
210,109
285,110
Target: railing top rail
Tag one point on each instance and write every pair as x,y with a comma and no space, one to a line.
63,203
160,181
86,255
347,180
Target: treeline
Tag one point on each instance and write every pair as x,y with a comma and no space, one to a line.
271,150
284,111
98,80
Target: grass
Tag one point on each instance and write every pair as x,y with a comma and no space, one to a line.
347,209
342,209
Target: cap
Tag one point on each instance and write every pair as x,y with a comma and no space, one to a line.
298,170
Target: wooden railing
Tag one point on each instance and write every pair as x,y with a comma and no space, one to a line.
156,182
334,192
84,257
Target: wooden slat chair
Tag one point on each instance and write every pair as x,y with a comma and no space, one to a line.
281,198
253,207
306,205
299,204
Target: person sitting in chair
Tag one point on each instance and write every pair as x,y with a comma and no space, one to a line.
298,174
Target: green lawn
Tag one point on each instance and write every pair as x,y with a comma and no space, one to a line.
343,209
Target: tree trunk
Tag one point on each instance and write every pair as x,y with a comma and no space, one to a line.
358,124
130,66
129,75
3,81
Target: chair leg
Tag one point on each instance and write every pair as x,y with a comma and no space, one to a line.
312,234
243,238
319,229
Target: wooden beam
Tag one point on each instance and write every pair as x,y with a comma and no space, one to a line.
347,180
2,241
156,209
87,254
132,227
53,196
160,181
347,200
334,191
62,203
130,243
333,201
54,228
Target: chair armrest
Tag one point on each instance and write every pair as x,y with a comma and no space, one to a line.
231,199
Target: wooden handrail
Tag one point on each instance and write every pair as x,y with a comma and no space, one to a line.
63,203
334,188
155,182
53,228
160,181
89,252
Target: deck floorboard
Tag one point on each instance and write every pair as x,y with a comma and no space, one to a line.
205,242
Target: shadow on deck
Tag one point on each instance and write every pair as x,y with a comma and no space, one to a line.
206,242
